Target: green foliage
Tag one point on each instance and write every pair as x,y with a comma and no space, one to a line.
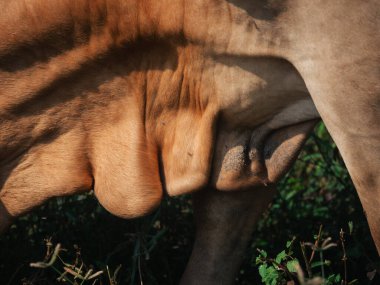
285,267
269,275
155,249
280,269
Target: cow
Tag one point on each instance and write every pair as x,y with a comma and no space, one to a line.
140,98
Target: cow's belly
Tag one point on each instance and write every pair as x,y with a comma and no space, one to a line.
256,91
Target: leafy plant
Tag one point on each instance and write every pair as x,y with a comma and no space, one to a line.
280,269
285,268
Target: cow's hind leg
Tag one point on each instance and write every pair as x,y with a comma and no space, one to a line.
339,62
224,224
348,100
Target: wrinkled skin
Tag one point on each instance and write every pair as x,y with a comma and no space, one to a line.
137,98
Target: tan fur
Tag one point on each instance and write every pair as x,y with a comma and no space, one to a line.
140,97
